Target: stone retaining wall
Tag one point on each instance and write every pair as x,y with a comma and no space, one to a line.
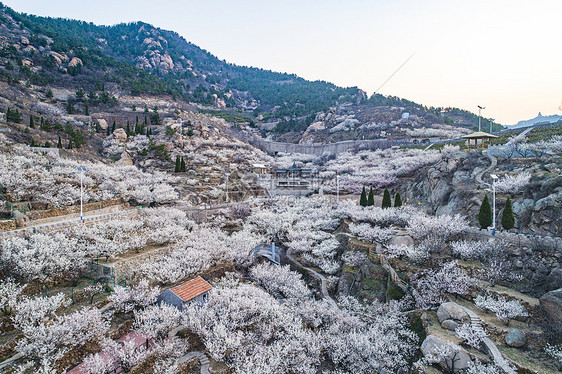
7,225
41,214
326,149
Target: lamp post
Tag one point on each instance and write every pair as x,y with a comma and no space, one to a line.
480,115
337,191
494,180
227,175
81,170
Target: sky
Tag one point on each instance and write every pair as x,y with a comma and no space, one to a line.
503,55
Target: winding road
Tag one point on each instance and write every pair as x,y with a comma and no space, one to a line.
318,276
493,164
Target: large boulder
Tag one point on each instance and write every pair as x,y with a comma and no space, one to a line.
451,356
450,324
451,311
554,279
120,135
102,124
75,62
552,304
401,239
125,160
515,338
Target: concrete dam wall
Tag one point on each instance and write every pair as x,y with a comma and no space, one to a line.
326,149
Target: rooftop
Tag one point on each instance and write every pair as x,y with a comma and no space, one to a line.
478,135
191,289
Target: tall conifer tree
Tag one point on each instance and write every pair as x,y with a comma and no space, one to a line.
386,199
371,198
363,200
508,220
485,213
397,200
182,165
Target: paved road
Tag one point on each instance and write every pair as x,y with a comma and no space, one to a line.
493,164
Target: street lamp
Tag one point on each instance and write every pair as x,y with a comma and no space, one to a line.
480,115
227,175
494,180
337,191
81,170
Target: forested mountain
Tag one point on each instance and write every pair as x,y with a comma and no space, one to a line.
144,59
104,62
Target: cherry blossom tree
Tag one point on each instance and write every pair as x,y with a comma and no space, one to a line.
470,336
433,286
156,321
128,298
505,310
279,279
10,295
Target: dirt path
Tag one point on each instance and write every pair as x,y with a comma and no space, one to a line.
323,281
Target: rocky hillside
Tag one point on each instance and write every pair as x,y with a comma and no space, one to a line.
452,186
145,59
140,59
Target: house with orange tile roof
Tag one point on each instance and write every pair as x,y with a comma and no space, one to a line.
194,290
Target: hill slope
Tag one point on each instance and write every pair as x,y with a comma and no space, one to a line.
140,59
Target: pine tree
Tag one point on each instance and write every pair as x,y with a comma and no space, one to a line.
69,107
69,144
485,213
31,121
59,144
371,198
363,200
42,120
386,199
86,108
113,127
32,143
397,200
508,220
178,167
107,130
47,144
182,165
128,128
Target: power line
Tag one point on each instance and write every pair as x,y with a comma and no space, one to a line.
396,71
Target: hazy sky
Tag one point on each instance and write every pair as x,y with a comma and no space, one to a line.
505,55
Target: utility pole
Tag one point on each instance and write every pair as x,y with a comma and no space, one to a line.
480,115
494,179
81,170
337,191
227,176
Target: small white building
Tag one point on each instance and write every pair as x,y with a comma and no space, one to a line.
259,169
405,115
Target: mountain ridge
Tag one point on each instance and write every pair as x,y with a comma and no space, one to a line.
138,58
